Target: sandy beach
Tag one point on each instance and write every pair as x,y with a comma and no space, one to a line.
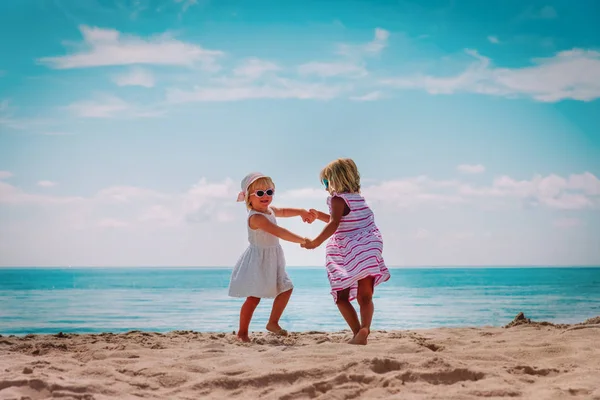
526,360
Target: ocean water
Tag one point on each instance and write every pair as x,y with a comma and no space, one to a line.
88,300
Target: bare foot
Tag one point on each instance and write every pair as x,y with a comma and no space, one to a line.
276,329
361,337
243,338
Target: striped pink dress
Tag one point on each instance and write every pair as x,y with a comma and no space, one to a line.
354,251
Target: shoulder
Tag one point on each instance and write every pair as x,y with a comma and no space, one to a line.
337,199
257,220
339,203
335,195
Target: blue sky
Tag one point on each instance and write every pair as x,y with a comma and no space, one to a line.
126,126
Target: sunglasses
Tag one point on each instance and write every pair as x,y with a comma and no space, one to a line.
325,183
261,193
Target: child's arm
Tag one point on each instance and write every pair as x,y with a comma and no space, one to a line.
293,212
321,216
338,206
261,222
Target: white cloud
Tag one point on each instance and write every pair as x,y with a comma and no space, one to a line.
254,68
105,47
112,223
586,182
332,69
305,193
568,201
46,184
372,96
380,40
573,74
349,68
5,174
129,205
414,192
422,234
205,200
567,222
10,194
158,213
195,224
127,194
471,168
108,106
459,236
578,191
493,39
575,192
374,47
135,77
276,89
202,202
223,216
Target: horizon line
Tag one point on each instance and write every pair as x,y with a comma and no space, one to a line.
304,266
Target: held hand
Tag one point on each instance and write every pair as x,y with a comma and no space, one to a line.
309,244
314,212
303,244
308,217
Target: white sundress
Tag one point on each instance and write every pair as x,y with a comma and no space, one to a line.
260,271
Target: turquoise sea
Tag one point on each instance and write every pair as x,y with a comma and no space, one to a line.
86,300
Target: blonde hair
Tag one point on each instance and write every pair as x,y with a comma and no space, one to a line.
342,176
260,183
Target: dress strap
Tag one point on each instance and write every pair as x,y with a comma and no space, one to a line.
252,212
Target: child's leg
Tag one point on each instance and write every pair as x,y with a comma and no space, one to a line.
245,317
347,310
279,305
365,300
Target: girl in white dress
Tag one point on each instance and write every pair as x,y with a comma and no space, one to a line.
260,271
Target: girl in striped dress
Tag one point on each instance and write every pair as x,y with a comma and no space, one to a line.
354,252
